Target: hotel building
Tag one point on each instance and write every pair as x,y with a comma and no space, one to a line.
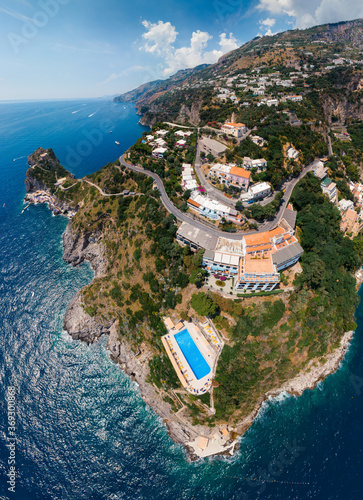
255,260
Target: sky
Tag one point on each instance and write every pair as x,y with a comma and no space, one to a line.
52,49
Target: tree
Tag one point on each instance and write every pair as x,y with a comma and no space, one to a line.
239,206
197,277
203,305
186,194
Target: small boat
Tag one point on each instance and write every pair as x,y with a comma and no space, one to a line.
25,208
116,142
110,131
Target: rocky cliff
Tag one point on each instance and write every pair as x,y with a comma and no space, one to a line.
81,326
44,172
76,249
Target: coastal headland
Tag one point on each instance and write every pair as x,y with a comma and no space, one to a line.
142,275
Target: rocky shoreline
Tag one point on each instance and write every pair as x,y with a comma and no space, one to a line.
83,327
314,373
37,192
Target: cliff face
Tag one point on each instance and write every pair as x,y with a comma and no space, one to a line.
190,114
80,325
77,248
348,104
342,109
44,172
138,368
347,31
32,185
84,246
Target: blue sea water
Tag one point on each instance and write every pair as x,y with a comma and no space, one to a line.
82,429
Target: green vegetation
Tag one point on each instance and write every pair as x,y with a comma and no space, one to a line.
168,168
262,212
274,340
269,338
203,305
47,168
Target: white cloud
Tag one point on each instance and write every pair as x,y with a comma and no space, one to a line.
268,22
161,37
227,44
195,54
308,13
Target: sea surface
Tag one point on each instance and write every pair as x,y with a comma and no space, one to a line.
82,429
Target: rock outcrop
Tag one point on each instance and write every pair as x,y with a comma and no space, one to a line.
314,373
77,248
80,325
191,114
44,161
84,246
342,109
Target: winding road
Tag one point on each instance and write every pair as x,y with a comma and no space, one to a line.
197,223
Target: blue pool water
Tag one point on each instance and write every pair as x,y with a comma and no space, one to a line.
192,354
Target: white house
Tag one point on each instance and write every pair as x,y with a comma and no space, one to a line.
159,152
293,98
292,153
260,163
330,189
257,192
272,102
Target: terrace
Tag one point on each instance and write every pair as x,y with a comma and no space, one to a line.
191,355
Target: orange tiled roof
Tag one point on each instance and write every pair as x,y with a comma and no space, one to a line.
262,238
289,240
194,203
235,125
240,172
260,248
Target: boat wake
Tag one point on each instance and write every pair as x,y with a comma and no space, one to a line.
74,112
20,157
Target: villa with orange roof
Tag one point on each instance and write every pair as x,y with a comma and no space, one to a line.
230,174
235,129
239,176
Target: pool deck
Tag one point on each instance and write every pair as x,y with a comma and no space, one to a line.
180,363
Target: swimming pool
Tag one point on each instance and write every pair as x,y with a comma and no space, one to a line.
192,354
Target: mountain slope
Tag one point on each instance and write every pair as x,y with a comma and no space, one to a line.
183,96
